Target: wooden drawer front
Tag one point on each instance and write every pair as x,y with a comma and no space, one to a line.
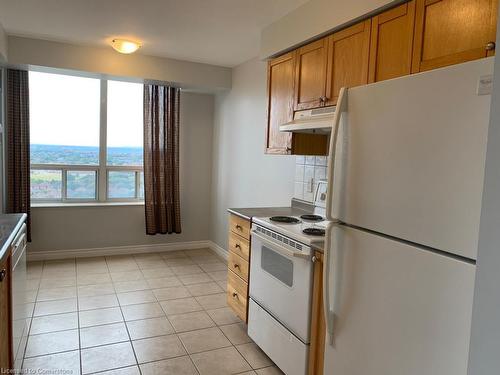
239,246
238,265
239,226
237,295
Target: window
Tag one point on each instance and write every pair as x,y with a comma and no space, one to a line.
124,140
86,139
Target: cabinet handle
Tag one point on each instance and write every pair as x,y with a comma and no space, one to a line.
3,273
235,295
239,227
236,266
288,149
323,99
490,46
237,246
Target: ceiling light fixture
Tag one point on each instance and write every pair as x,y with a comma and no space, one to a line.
125,46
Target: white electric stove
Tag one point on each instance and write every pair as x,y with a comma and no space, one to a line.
281,275
307,229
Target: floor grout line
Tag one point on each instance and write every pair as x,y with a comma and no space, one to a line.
78,320
128,333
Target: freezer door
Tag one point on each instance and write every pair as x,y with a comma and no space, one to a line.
410,157
399,309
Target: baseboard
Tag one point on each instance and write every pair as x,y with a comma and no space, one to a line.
123,250
219,250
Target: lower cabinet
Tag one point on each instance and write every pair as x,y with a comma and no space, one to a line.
237,295
5,315
318,327
238,265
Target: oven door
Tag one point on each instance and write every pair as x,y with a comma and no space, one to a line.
281,282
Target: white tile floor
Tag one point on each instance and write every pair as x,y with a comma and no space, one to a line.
147,314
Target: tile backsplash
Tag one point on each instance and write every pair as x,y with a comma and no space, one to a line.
308,171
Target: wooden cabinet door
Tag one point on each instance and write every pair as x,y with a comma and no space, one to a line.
348,52
453,31
5,315
280,103
391,43
318,326
310,75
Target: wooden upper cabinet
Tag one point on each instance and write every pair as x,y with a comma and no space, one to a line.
348,52
453,31
280,102
281,93
392,43
310,75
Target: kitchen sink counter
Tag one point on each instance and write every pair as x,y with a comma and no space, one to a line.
9,226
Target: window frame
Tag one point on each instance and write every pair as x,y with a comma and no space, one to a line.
101,169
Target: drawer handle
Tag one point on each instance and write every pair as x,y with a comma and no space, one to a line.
239,227
235,295
3,273
490,46
236,265
237,246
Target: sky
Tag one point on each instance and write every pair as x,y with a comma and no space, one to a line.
64,110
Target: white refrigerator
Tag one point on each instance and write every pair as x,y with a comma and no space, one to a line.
406,168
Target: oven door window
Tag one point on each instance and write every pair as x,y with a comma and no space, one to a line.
277,265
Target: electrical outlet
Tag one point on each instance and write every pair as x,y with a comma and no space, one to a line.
485,85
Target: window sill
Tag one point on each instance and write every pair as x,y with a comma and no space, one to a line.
85,204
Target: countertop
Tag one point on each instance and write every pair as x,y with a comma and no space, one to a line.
249,213
9,226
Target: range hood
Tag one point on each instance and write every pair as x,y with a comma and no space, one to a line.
318,120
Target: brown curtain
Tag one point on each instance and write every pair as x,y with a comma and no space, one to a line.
161,159
17,132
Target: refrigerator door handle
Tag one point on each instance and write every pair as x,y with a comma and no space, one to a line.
329,313
341,103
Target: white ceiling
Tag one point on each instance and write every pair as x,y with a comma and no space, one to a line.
220,32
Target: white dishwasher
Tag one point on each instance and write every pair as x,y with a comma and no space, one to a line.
21,314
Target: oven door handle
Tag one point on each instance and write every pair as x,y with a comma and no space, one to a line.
281,249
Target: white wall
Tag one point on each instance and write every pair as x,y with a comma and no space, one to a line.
3,44
37,52
315,17
243,176
65,228
485,338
